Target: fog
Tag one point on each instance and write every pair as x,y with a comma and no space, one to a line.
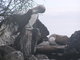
61,16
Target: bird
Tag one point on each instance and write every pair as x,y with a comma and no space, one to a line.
34,16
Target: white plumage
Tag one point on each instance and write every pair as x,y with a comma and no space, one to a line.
34,16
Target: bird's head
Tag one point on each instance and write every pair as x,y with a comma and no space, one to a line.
38,9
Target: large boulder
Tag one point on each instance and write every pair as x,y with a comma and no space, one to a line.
72,50
9,53
73,43
16,55
26,42
43,29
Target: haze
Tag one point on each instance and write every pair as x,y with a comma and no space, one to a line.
61,16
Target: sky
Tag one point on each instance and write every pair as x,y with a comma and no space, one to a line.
61,16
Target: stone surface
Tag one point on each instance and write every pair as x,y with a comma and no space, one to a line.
43,30
73,43
42,57
9,53
15,55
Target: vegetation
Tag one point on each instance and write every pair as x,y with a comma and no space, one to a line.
9,7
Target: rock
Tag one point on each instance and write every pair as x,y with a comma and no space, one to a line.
6,36
43,30
73,43
44,43
59,39
26,42
42,57
9,53
23,42
32,57
72,51
35,38
15,55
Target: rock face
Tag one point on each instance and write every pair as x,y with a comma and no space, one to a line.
73,43
23,42
9,53
43,30
16,55
72,50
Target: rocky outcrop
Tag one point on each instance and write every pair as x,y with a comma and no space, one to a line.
43,30
9,53
17,40
73,43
